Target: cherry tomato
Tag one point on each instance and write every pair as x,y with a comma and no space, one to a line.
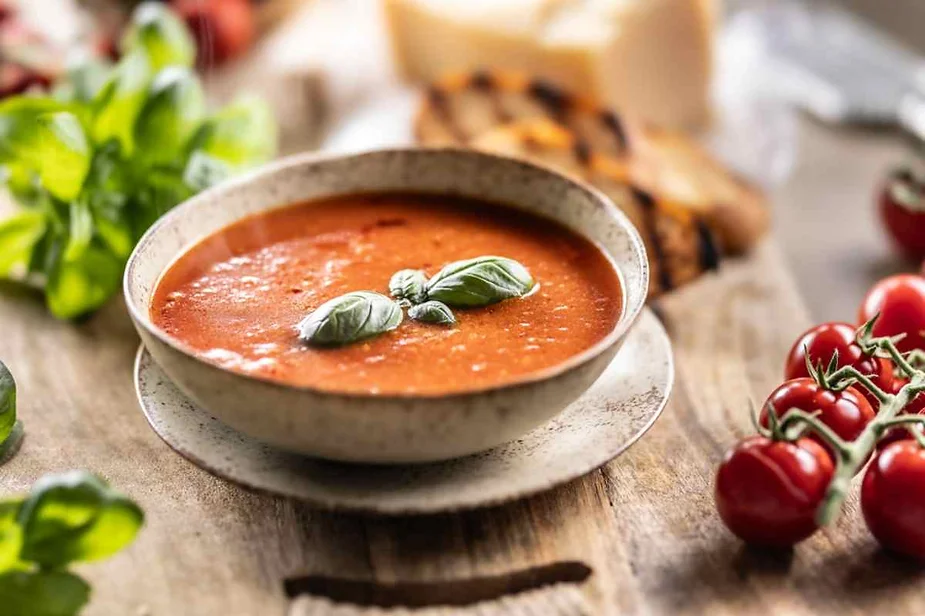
893,498
223,29
823,341
847,412
900,302
893,435
767,492
902,209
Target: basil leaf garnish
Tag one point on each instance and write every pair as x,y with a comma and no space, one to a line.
349,318
480,282
432,312
408,284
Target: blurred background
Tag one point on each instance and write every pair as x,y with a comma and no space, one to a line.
808,98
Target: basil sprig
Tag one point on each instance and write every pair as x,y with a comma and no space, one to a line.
480,282
465,284
350,318
65,519
432,311
10,429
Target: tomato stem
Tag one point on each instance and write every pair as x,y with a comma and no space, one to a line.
917,423
849,375
796,417
855,454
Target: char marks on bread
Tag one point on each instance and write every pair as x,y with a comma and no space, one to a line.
687,205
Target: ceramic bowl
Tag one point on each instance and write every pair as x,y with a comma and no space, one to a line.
385,428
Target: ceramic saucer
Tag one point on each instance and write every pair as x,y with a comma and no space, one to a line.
592,431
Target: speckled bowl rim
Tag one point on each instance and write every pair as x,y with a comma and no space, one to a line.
623,325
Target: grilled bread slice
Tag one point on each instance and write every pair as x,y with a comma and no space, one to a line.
679,243
463,107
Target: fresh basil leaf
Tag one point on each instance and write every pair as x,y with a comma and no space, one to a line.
76,517
7,402
76,288
42,593
432,312
81,231
118,103
204,171
350,318
160,191
83,81
31,104
408,284
243,134
52,144
175,109
47,252
106,191
62,156
480,282
116,235
10,534
158,31
18,237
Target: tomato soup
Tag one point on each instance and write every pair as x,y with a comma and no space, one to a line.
237,297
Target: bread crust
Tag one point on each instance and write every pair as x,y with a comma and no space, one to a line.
679,243
463,107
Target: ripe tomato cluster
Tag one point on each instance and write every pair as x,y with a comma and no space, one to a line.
851,394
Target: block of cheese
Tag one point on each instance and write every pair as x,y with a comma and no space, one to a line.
650,59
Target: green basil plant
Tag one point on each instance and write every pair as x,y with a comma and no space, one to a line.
114,147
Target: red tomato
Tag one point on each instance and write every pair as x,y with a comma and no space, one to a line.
891,436
847,412
900,302
902,209
823,341
893,498
223,29
767,492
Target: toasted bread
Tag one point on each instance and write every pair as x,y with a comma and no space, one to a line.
463,107
679,243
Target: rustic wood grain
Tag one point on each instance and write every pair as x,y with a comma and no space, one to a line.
644,523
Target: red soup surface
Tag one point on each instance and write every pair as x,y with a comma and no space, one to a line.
237,297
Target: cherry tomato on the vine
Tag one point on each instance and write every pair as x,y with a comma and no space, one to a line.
893,498
900,302
891,436
823,341
767,492
902,208
847,412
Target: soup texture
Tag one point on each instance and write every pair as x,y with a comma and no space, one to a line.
236,298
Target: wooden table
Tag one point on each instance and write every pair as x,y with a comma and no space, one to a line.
645,523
